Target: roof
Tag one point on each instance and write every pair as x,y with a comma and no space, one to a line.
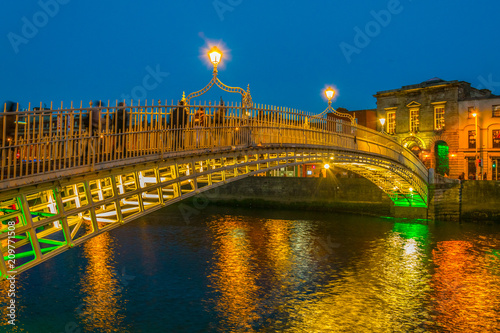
435,81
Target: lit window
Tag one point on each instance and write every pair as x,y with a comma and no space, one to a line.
439,117
470,111
391,122
496,110
414,120
339,126
496,138
472,139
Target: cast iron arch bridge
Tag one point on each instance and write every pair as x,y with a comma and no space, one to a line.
63,182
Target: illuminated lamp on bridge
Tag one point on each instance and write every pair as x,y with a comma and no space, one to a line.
215,56
330,111
329,92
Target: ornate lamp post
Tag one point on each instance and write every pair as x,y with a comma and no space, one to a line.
382,122
215,56
329,93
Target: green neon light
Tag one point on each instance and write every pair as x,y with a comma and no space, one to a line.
411,201
32,253
48,249
442,159
9,210
411,230
51,241
21,255
495,253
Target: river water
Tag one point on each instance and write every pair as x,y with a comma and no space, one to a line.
237,270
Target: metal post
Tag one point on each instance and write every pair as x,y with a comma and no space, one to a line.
477,144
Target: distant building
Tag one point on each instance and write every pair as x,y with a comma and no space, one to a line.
425,118
367,118
487,111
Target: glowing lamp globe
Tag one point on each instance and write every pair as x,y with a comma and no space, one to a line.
329,92
382,121
215,55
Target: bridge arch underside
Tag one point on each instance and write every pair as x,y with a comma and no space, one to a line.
403,187
43,220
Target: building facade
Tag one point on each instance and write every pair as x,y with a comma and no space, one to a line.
425,118
366,117
479,154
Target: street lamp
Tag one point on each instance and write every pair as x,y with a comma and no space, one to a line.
215,57
477,144
382,122
329,93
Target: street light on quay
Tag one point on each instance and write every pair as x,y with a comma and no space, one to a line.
475,115
382,122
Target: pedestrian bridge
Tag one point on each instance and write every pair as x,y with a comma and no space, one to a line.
71,174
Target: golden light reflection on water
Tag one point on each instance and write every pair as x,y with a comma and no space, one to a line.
233,277
384,290
277,248
467,288
5,290
101,304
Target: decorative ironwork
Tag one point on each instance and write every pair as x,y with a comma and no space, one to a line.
339,114
246,98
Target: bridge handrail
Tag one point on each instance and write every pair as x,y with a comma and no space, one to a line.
37,141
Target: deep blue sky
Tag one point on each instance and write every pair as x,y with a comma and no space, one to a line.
288,51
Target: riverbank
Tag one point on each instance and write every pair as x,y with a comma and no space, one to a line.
449,200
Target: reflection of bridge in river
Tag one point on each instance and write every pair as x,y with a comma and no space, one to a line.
62,184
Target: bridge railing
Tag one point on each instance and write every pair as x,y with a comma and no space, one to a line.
45,141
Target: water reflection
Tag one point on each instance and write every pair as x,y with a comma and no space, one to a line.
233,277
102,306
383,290
467,287
247,273
5,290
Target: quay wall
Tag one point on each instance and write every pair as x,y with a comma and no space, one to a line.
449,200
356,195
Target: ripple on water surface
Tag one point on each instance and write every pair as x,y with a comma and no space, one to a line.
233,270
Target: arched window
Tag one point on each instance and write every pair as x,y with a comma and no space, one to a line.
441,151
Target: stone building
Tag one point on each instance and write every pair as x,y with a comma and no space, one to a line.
425,118
479,155
366,117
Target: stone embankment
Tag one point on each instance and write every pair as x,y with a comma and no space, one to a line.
449,199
